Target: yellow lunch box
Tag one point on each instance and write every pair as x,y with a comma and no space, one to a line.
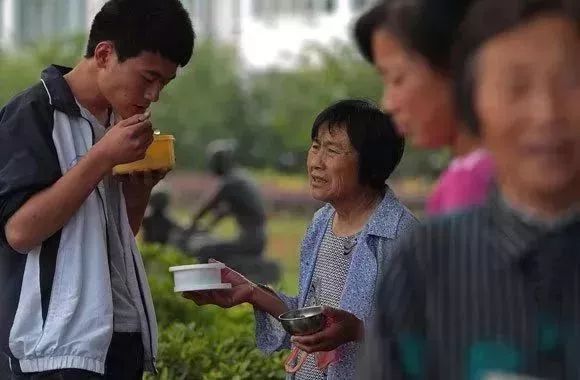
159,156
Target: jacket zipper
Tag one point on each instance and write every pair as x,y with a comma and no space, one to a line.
153,359
145,310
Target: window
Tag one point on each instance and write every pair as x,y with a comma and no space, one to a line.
272,9
1,20
259,8
49,19
236,17
330,6
201,14
189,6
286,7
359,4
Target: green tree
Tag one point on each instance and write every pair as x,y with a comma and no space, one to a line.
285,103
21,70
204,103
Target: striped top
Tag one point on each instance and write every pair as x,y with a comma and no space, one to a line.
331,268
480,293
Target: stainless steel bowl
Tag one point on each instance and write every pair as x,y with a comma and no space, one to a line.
306,321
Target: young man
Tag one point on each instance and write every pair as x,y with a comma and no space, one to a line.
74,294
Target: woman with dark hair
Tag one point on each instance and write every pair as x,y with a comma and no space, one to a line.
354,150
494,292
409,42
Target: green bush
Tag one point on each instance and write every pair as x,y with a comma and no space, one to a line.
202,342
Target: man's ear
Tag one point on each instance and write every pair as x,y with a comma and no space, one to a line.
104,54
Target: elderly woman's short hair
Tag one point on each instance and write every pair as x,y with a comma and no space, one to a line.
372,134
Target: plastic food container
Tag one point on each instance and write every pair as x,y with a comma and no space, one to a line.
198,277
159,156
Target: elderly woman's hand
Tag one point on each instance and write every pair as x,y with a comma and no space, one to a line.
241,291
341,327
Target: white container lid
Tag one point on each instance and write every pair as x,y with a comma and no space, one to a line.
197,266
193,288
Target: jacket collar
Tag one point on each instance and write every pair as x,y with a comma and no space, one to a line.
385,220
59,93
383,223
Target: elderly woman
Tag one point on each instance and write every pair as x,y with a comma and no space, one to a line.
494,292
410,45
348,245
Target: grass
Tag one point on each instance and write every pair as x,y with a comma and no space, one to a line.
285,235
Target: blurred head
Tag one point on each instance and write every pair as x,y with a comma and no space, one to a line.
137,46
354,149
159,201
221,156
418,97
410,48
518,76
366,26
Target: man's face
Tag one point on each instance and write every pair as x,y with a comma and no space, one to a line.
131,86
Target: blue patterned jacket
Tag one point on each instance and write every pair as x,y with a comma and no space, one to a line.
390,221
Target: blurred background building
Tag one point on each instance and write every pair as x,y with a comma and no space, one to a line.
263,32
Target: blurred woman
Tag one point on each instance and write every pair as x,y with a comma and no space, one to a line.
354,149
494,292
409,42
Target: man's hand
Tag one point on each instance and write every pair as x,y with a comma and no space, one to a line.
49,210
341,327
127,141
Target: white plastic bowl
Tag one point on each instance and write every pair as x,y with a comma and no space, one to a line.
198,277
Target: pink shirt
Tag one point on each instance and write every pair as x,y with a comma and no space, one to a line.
466,182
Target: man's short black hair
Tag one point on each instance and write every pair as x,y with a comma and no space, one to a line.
135,26
484,21
372,134
428,27
364,27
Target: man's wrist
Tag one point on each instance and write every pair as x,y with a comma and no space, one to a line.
99,155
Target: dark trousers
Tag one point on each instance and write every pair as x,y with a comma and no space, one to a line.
124,362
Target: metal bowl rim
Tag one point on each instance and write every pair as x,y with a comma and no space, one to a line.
283,318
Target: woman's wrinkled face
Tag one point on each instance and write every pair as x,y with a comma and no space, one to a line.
332,166
527,98
419,98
